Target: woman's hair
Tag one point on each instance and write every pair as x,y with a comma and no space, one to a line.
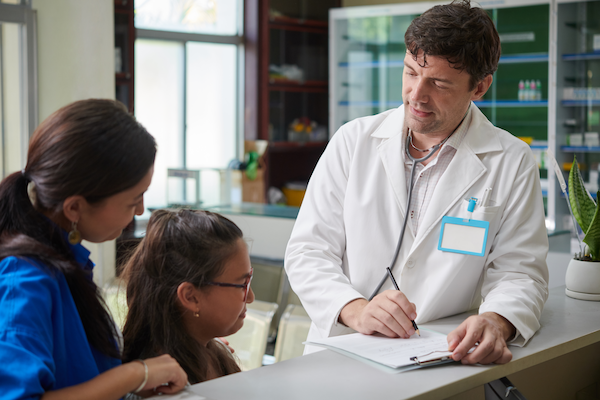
92,148
464,35
179,246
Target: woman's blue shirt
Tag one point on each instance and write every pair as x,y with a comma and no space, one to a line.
43,345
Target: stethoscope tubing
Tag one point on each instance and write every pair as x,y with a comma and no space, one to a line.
414,160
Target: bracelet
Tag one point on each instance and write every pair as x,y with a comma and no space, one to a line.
145,376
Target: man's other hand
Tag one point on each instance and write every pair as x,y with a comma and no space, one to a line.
490,332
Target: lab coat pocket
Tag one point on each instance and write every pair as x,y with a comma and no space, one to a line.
485,213
491,214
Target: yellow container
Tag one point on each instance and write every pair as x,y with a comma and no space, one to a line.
294,196
568,165
526,139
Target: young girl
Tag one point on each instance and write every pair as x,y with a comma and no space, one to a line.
88,166
188,282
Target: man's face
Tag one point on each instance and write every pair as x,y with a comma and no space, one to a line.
436,96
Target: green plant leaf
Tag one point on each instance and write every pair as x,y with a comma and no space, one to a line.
582,205
592,237
252,165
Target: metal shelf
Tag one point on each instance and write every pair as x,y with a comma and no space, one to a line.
579,103
372,64
512,59
524,58
581,56
511,103
580,149
295,86
369,103
593,194
480,104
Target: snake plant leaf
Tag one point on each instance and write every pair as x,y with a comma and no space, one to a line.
592,236
582,204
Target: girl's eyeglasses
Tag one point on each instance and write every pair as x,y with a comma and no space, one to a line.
245,285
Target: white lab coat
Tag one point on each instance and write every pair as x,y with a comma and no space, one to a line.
351,216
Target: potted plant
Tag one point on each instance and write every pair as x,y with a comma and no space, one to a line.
583,272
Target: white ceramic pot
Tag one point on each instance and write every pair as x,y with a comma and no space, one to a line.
583,280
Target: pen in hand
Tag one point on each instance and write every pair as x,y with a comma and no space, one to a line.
414,324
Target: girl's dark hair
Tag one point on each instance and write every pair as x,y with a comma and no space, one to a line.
179,246
464,35
92,148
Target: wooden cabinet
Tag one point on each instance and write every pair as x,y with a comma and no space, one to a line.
124,61
124,56
286,72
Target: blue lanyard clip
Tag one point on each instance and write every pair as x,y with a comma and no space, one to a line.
472,202
471,207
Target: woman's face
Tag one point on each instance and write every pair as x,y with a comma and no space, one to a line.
222,309
106,220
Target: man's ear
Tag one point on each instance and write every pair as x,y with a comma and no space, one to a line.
482,87
188,296
73,207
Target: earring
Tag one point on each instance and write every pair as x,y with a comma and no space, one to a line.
74,235
197,314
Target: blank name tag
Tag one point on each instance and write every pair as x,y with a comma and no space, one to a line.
465,236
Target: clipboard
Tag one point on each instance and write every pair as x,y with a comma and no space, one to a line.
433,358
392,355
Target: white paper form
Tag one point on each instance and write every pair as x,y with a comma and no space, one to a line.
185,394
391,352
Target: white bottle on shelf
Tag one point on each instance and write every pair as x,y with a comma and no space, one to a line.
521,93
538,90
526,95
532,91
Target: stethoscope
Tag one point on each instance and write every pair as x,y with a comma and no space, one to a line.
431,151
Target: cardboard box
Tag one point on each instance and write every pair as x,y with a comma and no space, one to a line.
253,191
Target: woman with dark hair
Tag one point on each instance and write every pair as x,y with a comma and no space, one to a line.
188,282
88,166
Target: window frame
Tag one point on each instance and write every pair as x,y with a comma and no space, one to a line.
26,18
185,37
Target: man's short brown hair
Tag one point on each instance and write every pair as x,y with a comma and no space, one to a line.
464,35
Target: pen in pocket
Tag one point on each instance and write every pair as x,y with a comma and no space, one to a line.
486,197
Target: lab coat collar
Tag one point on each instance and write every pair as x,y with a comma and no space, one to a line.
464,170
390,150
391,126
482,136
484,141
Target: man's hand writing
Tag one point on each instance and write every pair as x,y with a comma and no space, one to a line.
389,313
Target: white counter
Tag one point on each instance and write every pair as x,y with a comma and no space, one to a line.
568,325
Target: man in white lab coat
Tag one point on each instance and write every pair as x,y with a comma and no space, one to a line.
356,202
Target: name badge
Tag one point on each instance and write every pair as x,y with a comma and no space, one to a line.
464,236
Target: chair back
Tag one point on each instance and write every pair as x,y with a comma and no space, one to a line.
292,332
250,342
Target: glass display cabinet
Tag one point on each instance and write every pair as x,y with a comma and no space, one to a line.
367,52
366,56
546,89
578,91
